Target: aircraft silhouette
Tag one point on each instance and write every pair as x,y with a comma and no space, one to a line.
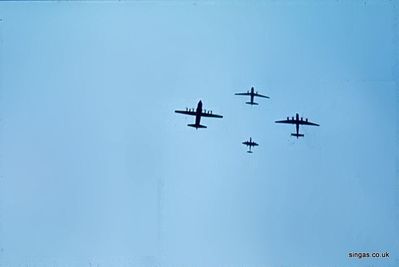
297,122
250,144
198,113
252,94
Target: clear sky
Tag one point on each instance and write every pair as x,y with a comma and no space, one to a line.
97,170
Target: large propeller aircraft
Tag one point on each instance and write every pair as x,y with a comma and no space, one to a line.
250,144
198,113
297,121
252,94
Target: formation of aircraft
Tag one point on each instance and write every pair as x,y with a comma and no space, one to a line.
250,144
297,121
199,112
252,95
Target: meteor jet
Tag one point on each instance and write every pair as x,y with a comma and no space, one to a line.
250,144
198,113
252,94
297,122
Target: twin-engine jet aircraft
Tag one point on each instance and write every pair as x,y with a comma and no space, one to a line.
250,144
252,94
297,122
198,113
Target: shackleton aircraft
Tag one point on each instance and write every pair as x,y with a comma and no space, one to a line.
198,113
250,144
297,121
252,94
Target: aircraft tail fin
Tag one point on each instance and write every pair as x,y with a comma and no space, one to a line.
297,135
196,126
251,103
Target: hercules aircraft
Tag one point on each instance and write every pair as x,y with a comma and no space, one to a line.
297,122
198,113
252,94
250,143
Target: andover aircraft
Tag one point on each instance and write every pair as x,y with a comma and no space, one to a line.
198,113
297,121
252,94
250,144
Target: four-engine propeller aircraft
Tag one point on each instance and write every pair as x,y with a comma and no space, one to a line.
252,94
198,113
297,121
250,144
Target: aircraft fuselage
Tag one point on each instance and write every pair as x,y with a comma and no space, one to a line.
198,115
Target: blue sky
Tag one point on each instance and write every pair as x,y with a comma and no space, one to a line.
97,169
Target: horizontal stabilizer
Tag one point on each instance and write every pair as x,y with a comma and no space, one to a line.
251,103
196,126
249,151
297,135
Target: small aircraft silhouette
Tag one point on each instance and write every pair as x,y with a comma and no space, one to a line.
198,113
250,144
252,94
297,122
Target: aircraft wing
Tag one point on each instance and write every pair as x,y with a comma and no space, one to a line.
259,95
287,121
250,143
308,123
242,94
204,114
186,112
